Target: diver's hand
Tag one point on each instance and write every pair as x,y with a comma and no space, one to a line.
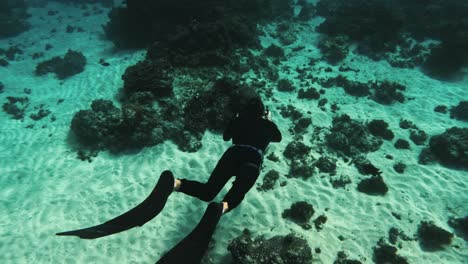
268,115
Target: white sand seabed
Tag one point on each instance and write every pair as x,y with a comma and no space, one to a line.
45,189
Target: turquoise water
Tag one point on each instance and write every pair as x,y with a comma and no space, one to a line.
309,73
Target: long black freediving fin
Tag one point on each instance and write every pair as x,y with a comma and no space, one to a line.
138,216
193,247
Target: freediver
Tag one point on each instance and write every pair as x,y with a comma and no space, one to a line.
251,131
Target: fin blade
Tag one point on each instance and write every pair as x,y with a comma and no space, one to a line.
193,247
137,216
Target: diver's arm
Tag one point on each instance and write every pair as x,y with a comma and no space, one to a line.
227,135
275,133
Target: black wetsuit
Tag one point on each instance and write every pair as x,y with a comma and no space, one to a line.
243,160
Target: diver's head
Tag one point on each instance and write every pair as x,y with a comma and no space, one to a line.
254,109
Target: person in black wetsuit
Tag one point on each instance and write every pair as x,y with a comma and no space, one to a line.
251,131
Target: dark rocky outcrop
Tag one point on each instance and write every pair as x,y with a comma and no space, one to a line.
288,249
334,48
432,237
374,25
326,165
451,147
301,125
402,144
296,150
351,138
365,167
380,27
460,111
387,92
274,51
13,15
394,234
214,108
106,3
340,182
373,186
342,258
418,137
446,59
105,126
40,114
384,253
16,106
207,25
269,180
301,163
285,85
379,128
72,63
399,167
383,92
147,76
300,213
461,226
310,93
320,221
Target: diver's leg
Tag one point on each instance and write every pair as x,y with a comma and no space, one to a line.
218,178
248,174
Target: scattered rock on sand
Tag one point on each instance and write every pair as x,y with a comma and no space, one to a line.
373,186
287,249
432,237
300,213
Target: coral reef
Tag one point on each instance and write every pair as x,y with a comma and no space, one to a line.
301,162
350,137
214,108
461,226
285,85
300,213
342,258
13,15
215,26
16,106
334,48
364,166
107,3
460,111
288,249
379,128
418,137
72,63
432,237
373,186
269,180
383,27
388,92
399,167
274,51
451,147
146,76
319,222
402,144
105,126
384,253
310,93
326,165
